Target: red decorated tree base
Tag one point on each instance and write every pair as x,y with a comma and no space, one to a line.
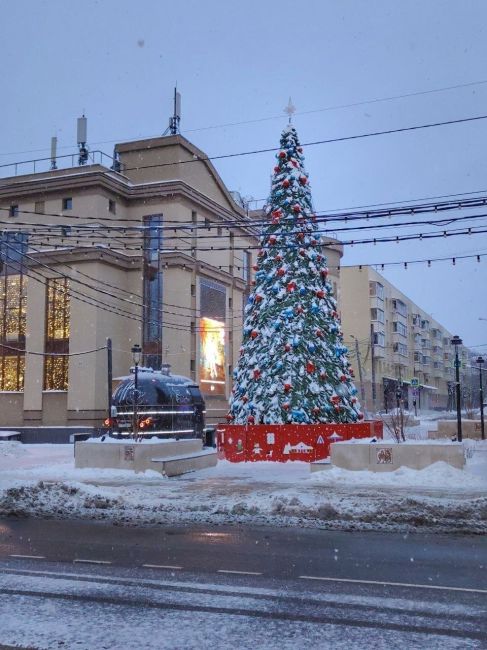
283,442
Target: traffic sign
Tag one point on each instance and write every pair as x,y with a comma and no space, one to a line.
415,382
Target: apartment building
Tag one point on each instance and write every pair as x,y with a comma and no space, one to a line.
396,345
147,248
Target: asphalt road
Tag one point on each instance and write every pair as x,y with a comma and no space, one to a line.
84,585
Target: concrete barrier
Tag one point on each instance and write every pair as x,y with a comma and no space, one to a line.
448,429
383,457
139,456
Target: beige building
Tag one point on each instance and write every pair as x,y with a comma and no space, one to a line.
152,249
398,343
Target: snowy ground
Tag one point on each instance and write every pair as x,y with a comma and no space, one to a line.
40,480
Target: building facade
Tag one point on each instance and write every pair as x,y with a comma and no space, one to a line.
397,347
147,249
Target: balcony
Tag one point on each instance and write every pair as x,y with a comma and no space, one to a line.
379,351
400,359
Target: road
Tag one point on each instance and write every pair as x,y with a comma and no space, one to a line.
85,585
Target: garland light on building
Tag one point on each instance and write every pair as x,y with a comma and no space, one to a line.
293,366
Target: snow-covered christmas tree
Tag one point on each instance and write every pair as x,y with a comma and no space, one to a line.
293,366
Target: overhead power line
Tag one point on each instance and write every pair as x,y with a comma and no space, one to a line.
225,125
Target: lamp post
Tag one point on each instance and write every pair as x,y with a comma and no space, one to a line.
480,361
456,341
136,355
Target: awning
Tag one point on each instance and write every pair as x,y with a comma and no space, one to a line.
426,386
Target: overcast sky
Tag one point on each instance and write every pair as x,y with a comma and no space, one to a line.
239,62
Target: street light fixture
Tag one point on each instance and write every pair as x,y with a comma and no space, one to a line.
136,355
480,361
456,341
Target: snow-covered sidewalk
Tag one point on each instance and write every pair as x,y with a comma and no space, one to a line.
41,481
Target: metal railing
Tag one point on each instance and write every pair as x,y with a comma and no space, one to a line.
41,165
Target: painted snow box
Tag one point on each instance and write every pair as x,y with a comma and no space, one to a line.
286,442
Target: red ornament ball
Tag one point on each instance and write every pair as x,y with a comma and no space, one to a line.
320,293
278,258
310,367
256,373
300,236
360,416
286,183
300,149
229,417
302,252
254,334
285,406
319,333
258,297
337,407
343,378
251,419
299,309
323,375
296,207
287,347
281,271
245,399
277,169
291,287
272,239
282,155
303,180
287,387
316,410
255,267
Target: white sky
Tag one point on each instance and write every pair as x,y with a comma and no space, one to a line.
234,62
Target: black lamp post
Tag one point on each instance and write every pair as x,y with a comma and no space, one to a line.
480,361
136,355
456,341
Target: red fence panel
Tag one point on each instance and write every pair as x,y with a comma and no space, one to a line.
283,442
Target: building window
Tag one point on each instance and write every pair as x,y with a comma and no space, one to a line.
399,328
67,203
193,290
400,307
112,206
401,349
152,291
379,338
12,331
376,290
58,312
39,207
13,211
377,314
212,337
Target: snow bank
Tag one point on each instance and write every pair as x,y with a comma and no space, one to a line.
41,481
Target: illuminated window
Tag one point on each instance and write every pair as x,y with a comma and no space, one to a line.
12,330
212,337
152,291
57,335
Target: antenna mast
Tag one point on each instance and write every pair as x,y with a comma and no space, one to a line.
82,139
53,152
174,121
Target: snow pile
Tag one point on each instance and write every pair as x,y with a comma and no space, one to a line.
44,483
12,448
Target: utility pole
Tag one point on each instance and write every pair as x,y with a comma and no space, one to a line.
360,373
372,361
109,381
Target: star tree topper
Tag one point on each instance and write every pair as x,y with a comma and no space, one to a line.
290,109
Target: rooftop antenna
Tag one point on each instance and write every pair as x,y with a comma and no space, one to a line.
53,152
174,121
82,139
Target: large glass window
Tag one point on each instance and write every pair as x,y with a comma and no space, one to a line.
56,362
212,337
13,298
377,314
152,291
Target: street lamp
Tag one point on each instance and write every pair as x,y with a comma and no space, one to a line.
480,361
456,341
136,355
